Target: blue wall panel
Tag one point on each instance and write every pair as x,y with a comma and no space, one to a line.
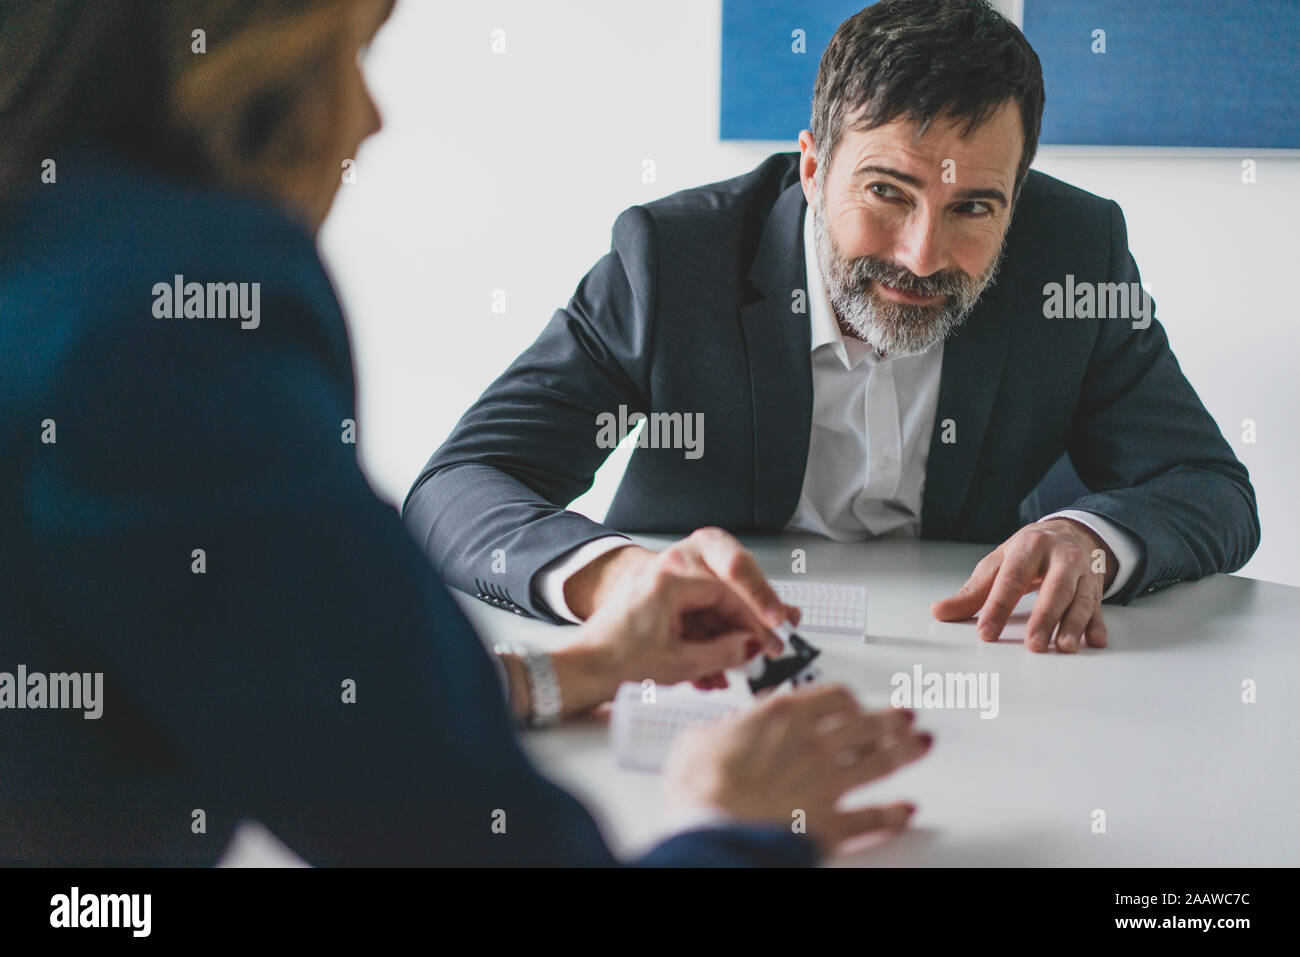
766,87
1175,72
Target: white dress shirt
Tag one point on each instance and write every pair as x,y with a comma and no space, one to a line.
871,426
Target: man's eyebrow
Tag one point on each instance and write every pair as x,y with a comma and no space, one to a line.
965,195
994,194
907,178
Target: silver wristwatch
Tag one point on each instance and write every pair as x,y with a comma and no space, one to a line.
544,702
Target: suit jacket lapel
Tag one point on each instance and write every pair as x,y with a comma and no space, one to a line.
973,360
777,344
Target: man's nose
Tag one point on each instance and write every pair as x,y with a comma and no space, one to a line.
919,245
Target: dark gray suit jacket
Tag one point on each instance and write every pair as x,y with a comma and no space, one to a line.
691,312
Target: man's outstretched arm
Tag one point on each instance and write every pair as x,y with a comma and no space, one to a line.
1156,460
489,507
1170,494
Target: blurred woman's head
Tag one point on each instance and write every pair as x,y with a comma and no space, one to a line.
260,95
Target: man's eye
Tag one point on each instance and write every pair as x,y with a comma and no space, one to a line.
975,209
878,187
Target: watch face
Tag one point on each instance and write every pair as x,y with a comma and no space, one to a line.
797,668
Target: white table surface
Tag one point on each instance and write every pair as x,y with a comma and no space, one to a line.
1151,730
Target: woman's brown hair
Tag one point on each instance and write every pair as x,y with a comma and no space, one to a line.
138,77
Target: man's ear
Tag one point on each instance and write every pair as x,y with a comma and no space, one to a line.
808,166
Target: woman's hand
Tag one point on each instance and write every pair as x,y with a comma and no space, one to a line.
695,609
788,760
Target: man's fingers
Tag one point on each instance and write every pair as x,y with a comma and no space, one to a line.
1096,634
1076,618
1056,593
730,561
968,599
1017,572
847,825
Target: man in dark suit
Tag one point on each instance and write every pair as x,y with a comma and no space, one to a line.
872,336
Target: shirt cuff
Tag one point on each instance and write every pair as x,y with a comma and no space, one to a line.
1126,546
551,577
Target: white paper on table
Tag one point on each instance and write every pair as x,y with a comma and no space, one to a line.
644,722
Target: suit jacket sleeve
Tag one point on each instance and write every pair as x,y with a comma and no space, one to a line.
528,446
273,644
1154,457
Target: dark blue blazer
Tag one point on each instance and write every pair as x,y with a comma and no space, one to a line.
223,690
692,311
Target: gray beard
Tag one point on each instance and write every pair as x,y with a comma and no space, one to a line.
895,328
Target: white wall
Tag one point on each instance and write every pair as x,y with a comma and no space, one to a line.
506,171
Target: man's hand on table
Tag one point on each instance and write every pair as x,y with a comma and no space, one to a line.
1058,558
